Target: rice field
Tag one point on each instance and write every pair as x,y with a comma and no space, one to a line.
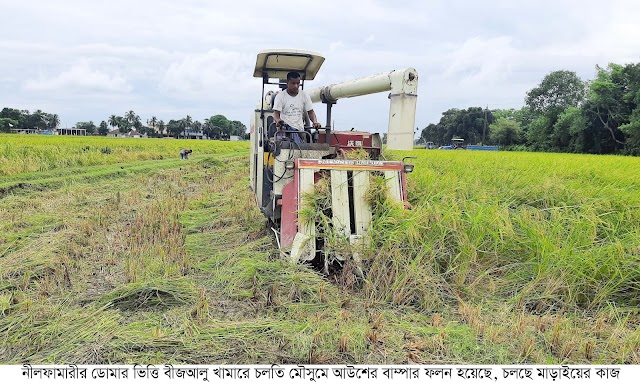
116,251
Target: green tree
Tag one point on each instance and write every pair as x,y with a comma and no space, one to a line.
569,130
220,121
123,124
25,119
505,132
632,132
8,124
217,127
52,121
538,134
88,125
433,133
13,114
522,116
37,120
615,96
468,124
208,128
131,116
557,91
175,127
133,121
237,128
103,129
509,114
150,132
113,121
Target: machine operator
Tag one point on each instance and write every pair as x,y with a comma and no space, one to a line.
289,108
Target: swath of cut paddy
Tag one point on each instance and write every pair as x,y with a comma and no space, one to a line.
503,258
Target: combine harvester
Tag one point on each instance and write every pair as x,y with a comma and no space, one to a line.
283,171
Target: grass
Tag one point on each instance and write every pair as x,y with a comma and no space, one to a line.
504,258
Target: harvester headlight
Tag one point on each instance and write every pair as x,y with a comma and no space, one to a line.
408,168
289,165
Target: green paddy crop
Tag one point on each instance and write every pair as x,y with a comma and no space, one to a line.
37,153
543,230
115,251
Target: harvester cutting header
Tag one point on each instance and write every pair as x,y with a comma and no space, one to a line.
287,161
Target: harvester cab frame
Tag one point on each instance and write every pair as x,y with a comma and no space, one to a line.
276,64
284,171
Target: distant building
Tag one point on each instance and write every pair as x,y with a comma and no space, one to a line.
33,131
71,131
234,138
27,131
189,133
135,134
118,133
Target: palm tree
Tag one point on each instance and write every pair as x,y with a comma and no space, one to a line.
188,121
54,121
113,121
152,122
161,126
130,116
137,123
37,119
175,127
207,127
123,124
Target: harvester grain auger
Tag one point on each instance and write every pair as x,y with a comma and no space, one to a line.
285,170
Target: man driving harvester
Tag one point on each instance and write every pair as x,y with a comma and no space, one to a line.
289,108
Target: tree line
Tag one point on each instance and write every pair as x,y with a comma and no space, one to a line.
12,119
562,114
215,127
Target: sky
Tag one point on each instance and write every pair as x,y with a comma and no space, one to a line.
86,60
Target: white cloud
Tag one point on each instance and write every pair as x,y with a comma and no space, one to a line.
81,78
210,74
336,45
479,61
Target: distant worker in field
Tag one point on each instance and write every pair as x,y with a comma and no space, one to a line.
289,108
184,154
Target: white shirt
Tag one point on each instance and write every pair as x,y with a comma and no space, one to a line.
293,109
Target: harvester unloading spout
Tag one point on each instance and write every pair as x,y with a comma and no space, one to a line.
285,169
403,94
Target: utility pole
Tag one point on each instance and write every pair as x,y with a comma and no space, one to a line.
484,130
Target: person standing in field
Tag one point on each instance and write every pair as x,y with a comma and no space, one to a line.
289,108
184,154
